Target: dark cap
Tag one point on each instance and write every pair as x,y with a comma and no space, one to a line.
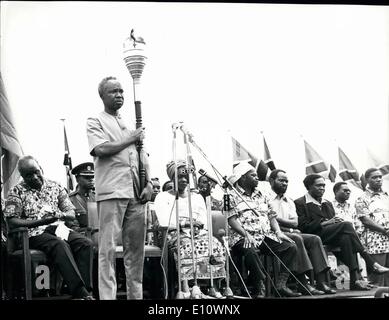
84,169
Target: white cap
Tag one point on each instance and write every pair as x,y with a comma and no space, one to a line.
232,179
241,169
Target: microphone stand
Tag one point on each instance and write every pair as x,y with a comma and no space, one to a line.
180,294
229,184
196,292
212,291
227,291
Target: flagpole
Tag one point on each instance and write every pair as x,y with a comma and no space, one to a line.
67,161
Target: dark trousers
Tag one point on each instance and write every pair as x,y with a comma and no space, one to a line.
310,253
3,269
285,250
252,263
73,258
343,235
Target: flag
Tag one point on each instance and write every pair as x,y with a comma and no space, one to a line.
265,166
11,149
332,173
268,160
239,153
314,163
347,170
67,162
377,163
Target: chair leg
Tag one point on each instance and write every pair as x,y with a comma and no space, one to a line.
166,279
268,276
26,267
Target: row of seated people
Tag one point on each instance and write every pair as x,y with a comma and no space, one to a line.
259,224
294,230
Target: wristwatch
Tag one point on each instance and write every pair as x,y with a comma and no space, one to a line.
291,230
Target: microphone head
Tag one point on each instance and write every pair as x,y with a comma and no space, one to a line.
211,180
221,232
176,126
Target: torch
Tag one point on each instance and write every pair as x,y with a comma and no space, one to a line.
134,58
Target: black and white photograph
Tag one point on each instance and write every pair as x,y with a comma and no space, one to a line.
162,151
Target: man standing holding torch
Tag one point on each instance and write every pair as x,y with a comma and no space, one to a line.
118,195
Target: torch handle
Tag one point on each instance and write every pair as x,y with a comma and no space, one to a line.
139,146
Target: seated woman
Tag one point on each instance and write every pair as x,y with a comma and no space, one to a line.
165,209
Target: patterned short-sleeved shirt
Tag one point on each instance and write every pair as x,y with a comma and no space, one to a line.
347,212
374,205
258,225
26,203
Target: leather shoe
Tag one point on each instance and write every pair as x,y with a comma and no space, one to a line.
260,292
360,286
286,292
259,295
308,290
378,269
326,289
88,298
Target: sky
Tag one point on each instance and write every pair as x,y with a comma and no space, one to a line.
318,72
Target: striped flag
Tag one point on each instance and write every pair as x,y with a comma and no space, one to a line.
268,160
377,163
332,173
265,166
347,170
11,149
67,161
240,153
314,163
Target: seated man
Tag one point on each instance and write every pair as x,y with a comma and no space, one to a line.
84,193
310,252
317,216
254,225
346,211
343,208
372,209
40,204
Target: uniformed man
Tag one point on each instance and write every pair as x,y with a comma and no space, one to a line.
84,193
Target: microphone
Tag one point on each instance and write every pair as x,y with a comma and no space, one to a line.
176,126
186,131
205,174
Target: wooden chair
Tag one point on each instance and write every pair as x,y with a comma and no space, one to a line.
22,260
270,263
334,250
